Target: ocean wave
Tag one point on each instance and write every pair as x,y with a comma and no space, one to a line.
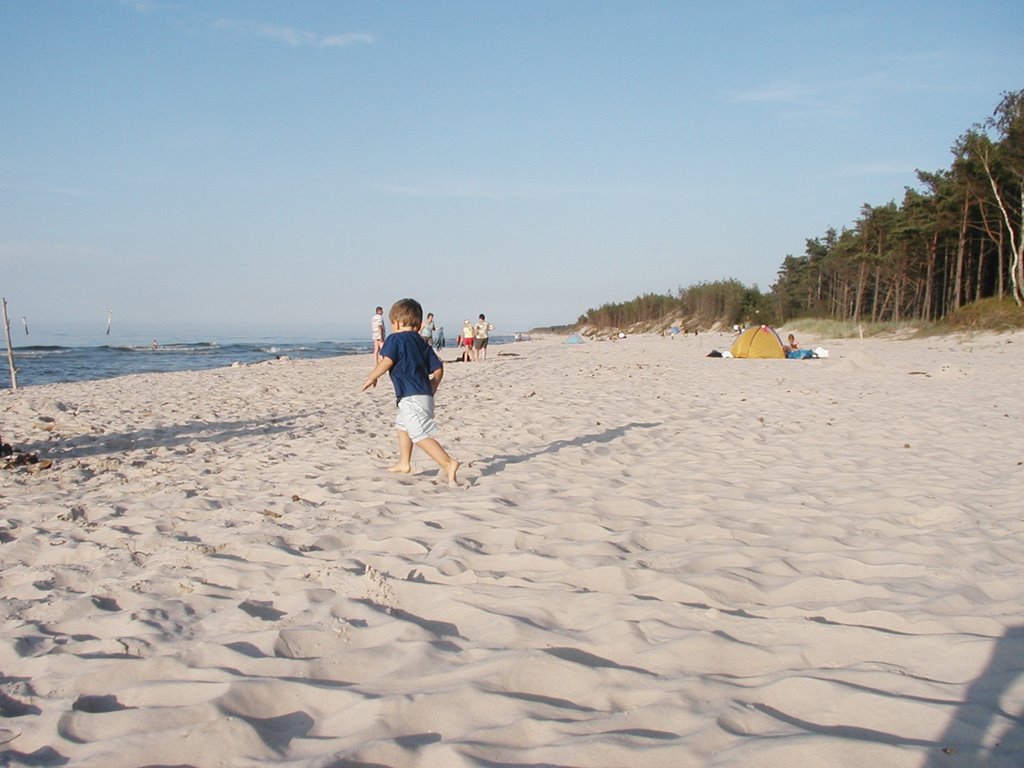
41,350
201,347
284,349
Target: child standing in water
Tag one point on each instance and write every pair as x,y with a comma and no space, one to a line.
416,373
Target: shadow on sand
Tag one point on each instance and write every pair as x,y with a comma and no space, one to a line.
171,436
495,464
981,734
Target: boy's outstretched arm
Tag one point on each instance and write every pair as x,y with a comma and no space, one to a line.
435,379
379,370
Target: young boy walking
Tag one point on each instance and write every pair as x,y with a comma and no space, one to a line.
416,373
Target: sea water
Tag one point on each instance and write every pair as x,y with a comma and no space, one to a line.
52,363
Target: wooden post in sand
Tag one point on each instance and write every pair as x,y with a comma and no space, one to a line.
10,349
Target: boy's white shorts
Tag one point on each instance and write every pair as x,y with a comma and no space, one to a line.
416,417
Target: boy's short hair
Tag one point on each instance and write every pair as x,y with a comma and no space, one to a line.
406,312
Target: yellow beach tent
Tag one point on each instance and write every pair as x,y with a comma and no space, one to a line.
761,341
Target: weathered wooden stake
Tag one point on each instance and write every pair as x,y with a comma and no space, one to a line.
10,349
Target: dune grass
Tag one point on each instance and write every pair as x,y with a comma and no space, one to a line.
987,315
826,328
999,315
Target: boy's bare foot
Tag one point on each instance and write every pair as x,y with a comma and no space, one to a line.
451,470
404,469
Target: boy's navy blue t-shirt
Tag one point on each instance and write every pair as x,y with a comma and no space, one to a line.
414,361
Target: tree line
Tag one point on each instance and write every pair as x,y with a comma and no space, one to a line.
727,300
957,239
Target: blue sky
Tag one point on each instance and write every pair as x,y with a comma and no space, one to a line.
247,164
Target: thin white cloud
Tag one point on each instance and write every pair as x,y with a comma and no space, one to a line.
347,38
843,96
919,57
771,94
469,189
805,102
295,37
476,190
143,6
15,251
796,104
46,189
466,191
876,169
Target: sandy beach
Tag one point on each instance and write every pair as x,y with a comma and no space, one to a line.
653,558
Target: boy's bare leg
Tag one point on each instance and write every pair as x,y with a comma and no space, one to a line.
434,450
404,464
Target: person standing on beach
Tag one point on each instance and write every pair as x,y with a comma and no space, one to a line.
377,333
480,343
427,331
416,373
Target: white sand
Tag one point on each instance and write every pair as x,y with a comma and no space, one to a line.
656,559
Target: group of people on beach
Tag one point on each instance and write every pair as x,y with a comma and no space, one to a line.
473,340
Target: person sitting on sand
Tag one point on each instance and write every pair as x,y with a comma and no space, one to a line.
792,346
416,373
